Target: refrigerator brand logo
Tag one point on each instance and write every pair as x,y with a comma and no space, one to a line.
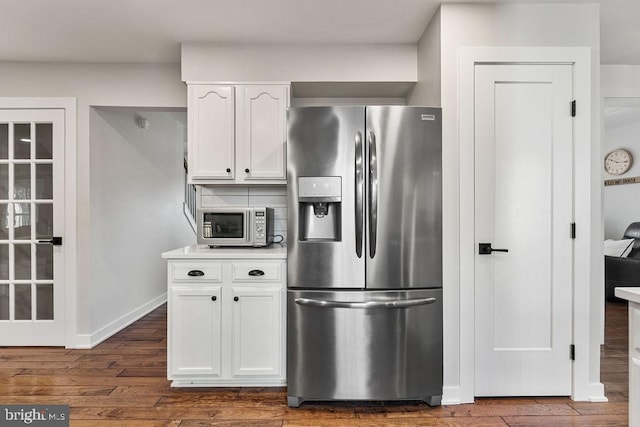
429,117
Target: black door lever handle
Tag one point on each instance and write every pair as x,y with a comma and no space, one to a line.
486,249
55,241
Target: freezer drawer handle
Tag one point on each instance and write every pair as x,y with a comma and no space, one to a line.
368,304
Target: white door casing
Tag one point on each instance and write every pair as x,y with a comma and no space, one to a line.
523,202
32,206
587,296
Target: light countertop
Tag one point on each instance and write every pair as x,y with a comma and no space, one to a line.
630,294
273,251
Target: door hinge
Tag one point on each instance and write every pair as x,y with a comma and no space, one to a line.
573,230
572,352
573,108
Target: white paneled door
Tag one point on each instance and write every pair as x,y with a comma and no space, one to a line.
523,205
31,227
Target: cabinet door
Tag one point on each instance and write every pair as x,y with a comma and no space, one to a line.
261,132
211,132
194,332
257,331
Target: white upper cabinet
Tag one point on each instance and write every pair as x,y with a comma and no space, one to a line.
237,133
211,134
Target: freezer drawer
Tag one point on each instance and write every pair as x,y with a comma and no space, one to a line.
364,345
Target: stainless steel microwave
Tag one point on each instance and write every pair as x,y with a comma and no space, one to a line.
240,226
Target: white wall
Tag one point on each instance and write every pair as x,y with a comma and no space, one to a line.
621,202
621,94
136,201
475,25
428,88
92,84
299,62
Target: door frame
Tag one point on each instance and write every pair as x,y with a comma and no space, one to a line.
587,292
69,105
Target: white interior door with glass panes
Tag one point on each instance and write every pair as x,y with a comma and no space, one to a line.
523,216
31,227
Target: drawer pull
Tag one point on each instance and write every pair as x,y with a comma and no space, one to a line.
195,273
256,273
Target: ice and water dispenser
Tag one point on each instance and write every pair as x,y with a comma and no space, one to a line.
319,204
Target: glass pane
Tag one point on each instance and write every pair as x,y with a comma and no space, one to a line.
44,181
22,221
226,225
44,302
4,262
22,261
44,262
22,184
4,221
4,182
4,141
4,302
44,138
44,218
22,141
23,302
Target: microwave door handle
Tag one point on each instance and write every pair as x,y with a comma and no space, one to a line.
359,182
248,226
373,194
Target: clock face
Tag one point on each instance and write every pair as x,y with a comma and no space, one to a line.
618,162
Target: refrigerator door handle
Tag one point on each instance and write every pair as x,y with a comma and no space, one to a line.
373,194
359,182
367,304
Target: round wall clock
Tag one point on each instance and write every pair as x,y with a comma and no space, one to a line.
618,162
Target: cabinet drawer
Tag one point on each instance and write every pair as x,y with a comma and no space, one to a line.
196,272
257,272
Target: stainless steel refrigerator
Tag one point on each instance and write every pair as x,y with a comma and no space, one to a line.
364,299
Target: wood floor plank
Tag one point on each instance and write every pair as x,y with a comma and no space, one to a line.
555,421
126,423
595,408
400,422
72,379
57,390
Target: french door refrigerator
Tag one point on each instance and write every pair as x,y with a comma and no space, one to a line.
364,260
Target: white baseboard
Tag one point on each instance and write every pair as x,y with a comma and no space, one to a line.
451,396
81,342
121,323
597,393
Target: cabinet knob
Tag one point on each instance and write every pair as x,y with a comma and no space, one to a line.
213,298
247,170
228,170
236,298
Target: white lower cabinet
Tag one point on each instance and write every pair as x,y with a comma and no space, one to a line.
196,332
256,338
634,364
226,323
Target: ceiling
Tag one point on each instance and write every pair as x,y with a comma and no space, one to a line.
150,31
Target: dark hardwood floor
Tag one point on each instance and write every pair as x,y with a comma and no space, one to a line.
122,382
